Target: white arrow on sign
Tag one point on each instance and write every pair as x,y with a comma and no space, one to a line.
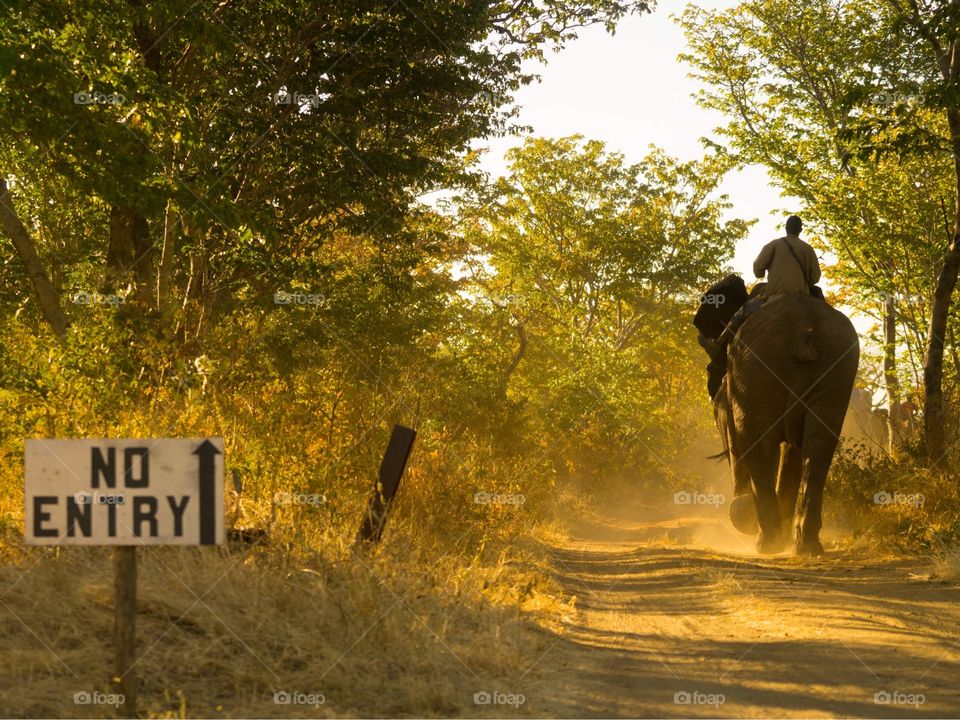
124,492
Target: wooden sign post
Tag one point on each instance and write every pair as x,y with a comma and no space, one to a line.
124,493
125,627
391,469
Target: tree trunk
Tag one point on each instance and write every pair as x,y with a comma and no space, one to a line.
890,380
130,252
27,250
933,416
517,357
933,363
165,271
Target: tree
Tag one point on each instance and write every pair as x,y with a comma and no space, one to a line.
935,26
26,249
589,260
797,82
217,141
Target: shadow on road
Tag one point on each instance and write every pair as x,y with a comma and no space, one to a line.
669,626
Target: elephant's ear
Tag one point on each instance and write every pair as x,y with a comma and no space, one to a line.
718,304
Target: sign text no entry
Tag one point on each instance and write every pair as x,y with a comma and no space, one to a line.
124,492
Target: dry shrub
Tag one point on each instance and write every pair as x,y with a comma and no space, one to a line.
894,504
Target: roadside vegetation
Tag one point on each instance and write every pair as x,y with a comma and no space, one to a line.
216,223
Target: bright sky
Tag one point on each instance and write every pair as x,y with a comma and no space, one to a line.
630,91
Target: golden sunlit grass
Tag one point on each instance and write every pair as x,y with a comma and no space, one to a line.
457,600
723,581
220,632
947,564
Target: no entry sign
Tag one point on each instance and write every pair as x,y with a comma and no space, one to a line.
124,492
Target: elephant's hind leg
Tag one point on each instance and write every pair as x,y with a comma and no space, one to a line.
819,444
763,461
788,486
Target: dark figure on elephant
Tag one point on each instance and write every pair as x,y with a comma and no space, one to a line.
780,383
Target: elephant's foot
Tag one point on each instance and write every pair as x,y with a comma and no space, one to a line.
770,543
743,514
808,547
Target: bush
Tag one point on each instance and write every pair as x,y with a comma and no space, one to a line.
893,503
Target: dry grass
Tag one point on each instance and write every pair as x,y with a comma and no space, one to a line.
723,582
947,564
219,633
413,629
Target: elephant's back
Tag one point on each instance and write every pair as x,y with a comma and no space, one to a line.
799,331
796,355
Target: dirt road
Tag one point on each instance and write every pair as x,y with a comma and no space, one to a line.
679,618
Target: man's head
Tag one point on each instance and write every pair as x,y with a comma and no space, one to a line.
794,225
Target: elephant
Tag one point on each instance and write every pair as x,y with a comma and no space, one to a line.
781,399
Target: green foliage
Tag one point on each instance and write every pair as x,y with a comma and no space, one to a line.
232,219
586,261
802,87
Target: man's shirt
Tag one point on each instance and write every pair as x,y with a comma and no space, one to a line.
784,273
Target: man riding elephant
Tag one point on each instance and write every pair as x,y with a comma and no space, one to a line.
790,265
795,270
780,392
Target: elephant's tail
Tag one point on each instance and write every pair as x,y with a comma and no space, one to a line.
806,351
